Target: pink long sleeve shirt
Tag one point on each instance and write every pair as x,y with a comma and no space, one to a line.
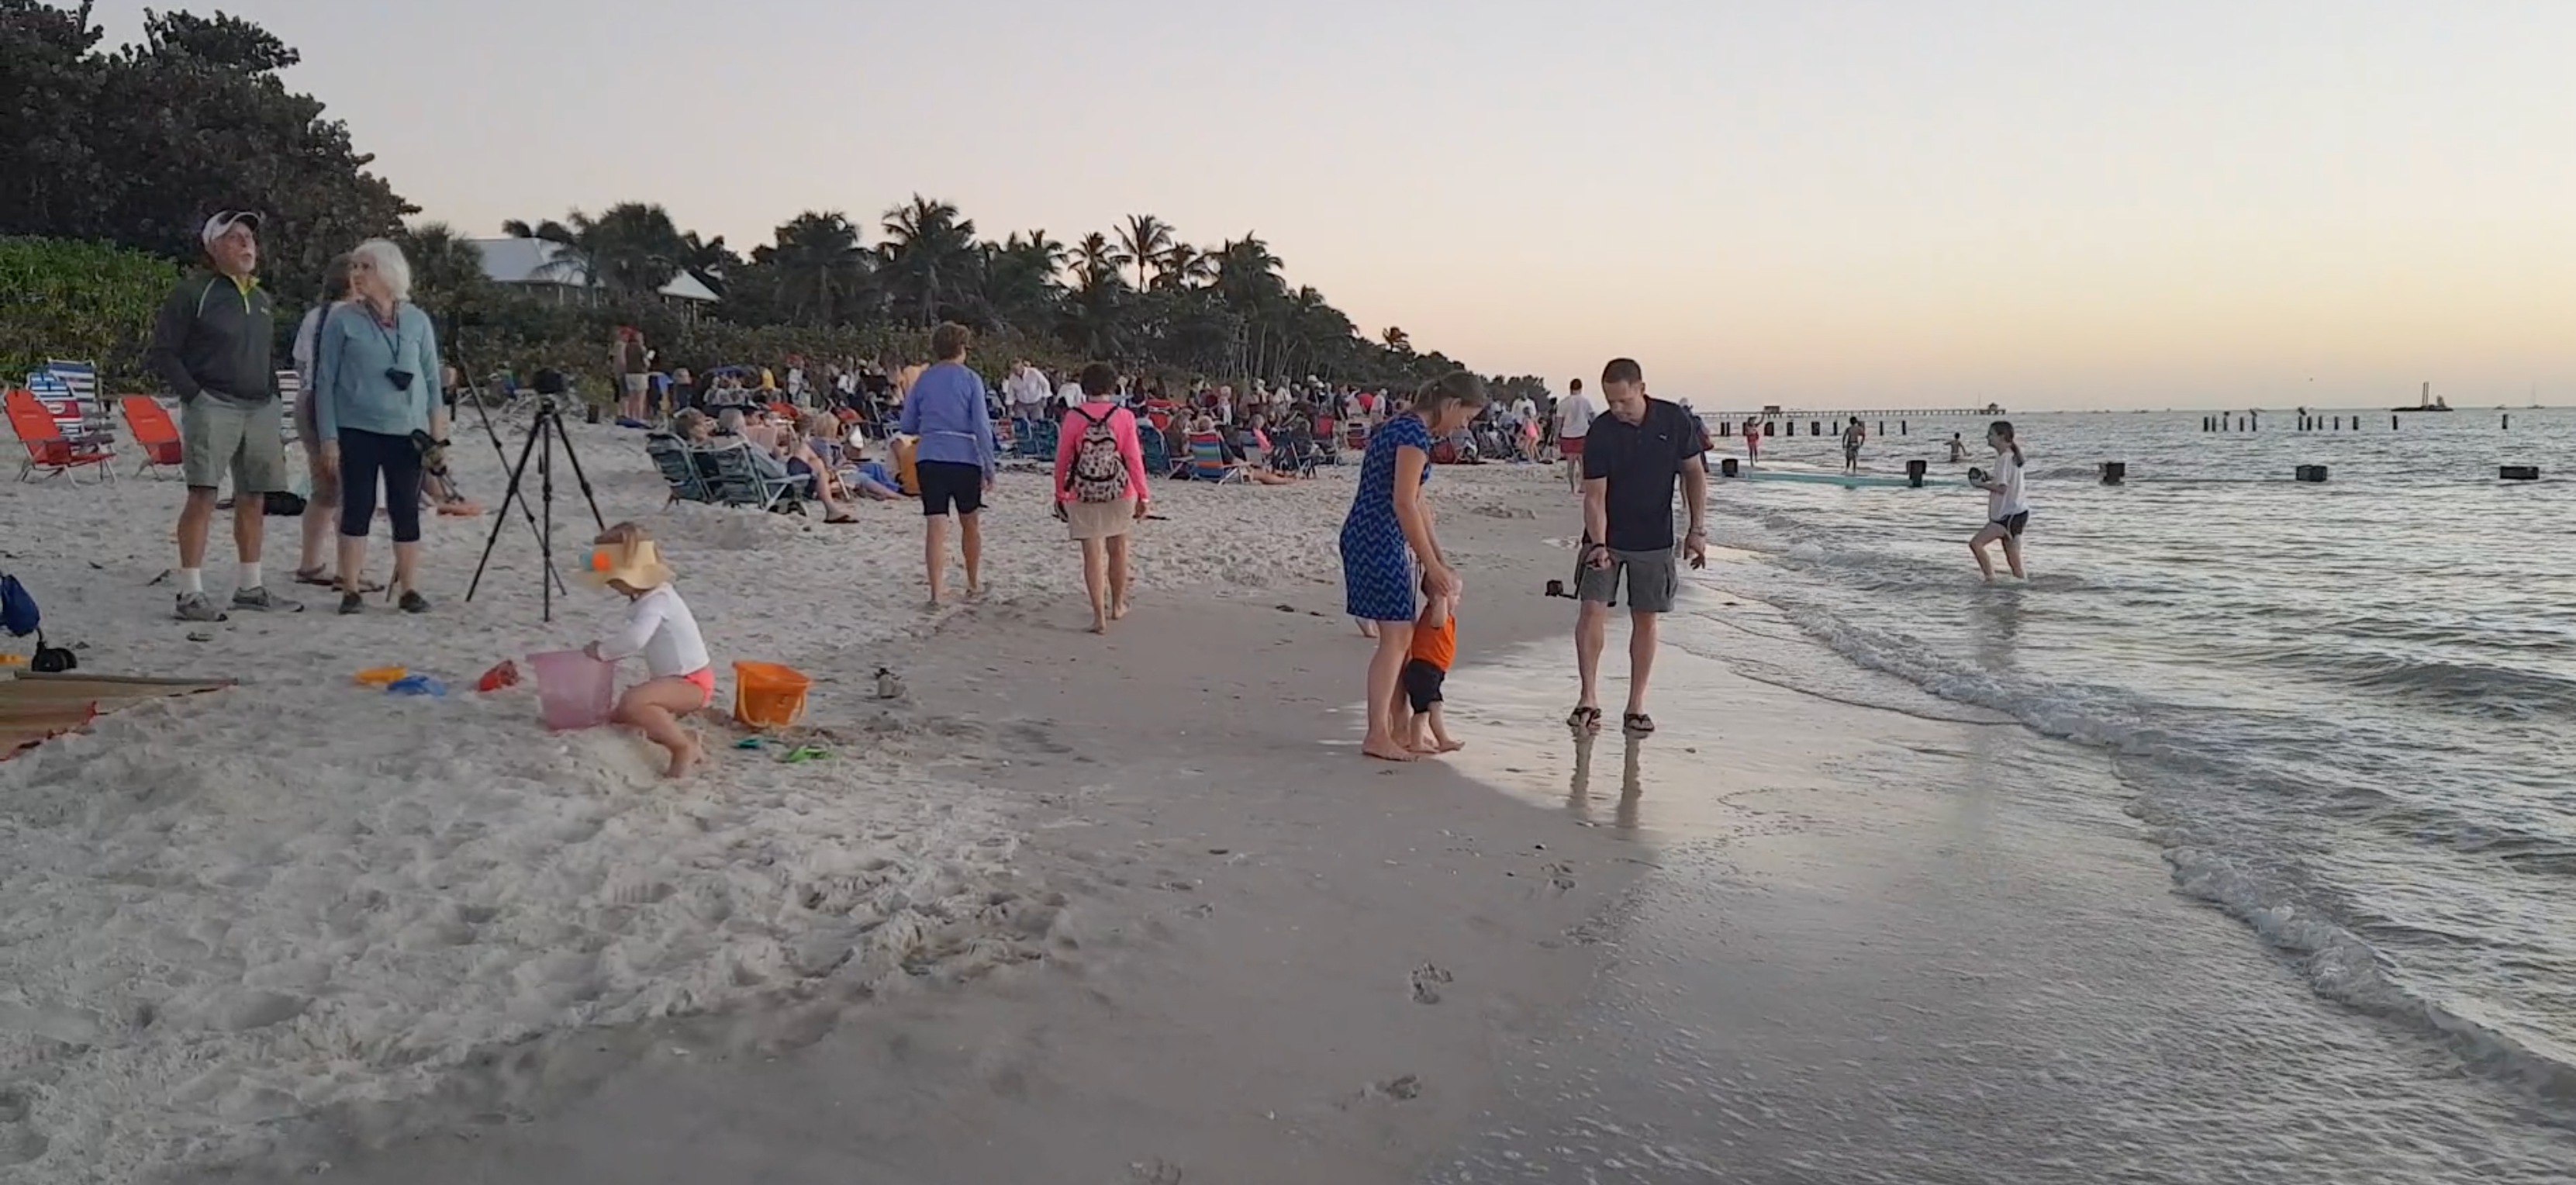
1122,424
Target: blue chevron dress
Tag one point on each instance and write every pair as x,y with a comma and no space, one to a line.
1377,568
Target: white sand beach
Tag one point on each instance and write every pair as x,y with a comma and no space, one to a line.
300,896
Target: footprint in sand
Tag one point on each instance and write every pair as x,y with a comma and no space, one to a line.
20,1142
1426,983
1152,1172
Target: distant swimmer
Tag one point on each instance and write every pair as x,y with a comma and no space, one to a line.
1853,436
1752,443
2006,512
1958,449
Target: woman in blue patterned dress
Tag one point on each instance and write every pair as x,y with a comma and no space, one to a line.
1389,529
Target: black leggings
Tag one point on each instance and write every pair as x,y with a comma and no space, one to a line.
363,455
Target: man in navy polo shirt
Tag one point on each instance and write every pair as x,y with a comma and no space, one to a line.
1633,455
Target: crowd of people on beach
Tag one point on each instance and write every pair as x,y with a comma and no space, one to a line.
373,422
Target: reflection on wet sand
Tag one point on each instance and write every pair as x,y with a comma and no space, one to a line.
1578,792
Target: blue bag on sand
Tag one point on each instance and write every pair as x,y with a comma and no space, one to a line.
18,613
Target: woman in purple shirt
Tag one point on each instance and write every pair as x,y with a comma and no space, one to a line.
952,456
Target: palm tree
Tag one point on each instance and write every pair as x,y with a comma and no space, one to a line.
1020,286
1183,266
1396,339
1094,257
822,269
444,266
631,247
930,256
1147,240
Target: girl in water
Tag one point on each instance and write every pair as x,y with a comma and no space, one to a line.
2006,512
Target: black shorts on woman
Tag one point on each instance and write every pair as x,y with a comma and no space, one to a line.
947,483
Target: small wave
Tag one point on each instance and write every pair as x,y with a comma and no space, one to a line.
2340,966
2214,783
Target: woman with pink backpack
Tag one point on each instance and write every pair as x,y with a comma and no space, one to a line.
1100,489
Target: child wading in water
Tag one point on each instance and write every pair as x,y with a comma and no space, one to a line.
1426,669
2007,514
660,628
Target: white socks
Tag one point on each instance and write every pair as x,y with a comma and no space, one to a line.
192,581
250,575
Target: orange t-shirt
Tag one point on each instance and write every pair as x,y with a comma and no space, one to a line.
1437,645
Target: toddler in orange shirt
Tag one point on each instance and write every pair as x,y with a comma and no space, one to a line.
1435,646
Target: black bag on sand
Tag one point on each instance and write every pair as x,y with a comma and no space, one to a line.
19,616
283,504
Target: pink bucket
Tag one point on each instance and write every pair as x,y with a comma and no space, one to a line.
574,690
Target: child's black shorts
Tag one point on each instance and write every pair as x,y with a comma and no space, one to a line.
1422,683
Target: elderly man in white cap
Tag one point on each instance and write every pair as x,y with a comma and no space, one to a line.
211,344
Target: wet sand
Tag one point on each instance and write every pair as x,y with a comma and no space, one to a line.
1813,931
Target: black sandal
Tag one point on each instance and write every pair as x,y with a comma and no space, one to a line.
319,578
1584,719
1637,724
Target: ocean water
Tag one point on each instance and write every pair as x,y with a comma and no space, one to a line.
2342,710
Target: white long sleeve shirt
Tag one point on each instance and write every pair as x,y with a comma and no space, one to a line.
660,627
1029,388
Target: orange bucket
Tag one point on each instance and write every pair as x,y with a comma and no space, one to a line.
767,695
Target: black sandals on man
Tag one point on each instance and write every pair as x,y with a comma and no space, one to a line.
1584,719
1637,724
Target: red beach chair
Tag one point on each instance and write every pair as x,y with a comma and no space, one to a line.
49,450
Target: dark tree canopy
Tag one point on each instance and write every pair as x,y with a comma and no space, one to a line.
138,146
134,147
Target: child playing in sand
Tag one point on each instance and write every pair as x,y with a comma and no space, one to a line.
660,628
1435,645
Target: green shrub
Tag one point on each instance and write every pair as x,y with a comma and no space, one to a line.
62,298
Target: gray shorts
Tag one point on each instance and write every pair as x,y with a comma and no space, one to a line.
637,384
217,435
1654,579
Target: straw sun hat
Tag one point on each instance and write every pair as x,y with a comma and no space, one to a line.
638,564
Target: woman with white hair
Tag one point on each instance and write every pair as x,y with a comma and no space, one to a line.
376,371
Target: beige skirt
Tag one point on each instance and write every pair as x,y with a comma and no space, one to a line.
1099,520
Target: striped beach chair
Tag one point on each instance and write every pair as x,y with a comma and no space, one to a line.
290,391
79,380
1207,460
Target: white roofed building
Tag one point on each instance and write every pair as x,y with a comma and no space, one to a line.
537,267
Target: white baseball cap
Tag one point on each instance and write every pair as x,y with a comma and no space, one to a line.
220,224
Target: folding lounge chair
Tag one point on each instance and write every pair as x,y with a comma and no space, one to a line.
1158,455
679,470
154,433
290,391
49,450
79,381
1207,460
739,481
1294,452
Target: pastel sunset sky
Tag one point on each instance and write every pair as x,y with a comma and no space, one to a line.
1833,202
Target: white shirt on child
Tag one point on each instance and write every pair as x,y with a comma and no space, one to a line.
2006,502
660,627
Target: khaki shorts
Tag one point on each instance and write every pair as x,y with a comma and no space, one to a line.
638,384
1654,579
1099,520
217,436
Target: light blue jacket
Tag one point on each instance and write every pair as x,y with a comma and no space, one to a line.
945,409
351,355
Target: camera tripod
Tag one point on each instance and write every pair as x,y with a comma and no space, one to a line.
544,432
